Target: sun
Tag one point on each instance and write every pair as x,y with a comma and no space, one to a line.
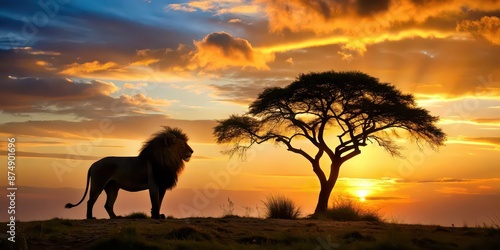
362,194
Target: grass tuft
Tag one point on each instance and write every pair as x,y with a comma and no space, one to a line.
227,209
137,215
281,207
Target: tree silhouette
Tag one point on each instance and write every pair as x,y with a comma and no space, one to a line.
356,106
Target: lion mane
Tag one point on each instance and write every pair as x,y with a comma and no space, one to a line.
159,150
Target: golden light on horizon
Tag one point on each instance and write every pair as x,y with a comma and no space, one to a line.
362,194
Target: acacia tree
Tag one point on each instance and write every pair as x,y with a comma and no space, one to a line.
362,109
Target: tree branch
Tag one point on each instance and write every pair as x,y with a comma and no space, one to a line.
295,150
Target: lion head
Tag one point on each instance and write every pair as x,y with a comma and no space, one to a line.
167,150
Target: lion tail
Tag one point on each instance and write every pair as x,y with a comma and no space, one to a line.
69,205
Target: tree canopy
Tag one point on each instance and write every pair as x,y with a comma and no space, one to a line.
363,109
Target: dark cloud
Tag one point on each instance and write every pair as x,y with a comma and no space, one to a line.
369,7
229,45
382,198
246,91
361,19
179,59
26,63
83,33
62,96
230,52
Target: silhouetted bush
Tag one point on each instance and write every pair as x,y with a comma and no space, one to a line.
281,207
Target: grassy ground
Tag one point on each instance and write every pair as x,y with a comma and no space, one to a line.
245,233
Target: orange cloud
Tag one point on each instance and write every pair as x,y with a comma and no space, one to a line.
218,7
144,62
358,23
181,7
88,67
488,28
144,102
220,50
363,16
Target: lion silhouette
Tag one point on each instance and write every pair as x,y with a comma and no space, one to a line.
160,161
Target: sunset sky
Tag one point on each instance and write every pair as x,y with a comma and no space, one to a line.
81,80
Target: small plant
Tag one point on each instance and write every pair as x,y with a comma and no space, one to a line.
495,221
137,215
247,211
227,209
281,207
259,211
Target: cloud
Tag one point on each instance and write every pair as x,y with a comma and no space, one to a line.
171,60
144,102
26,62
358,23
181,7
488,121
488,28
220,50
439,180
481,141
218,7
144,62
382,198
77,69
132,127
244,91
88,99
24,154
329,16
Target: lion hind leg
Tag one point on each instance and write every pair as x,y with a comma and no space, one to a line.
111,190
95,191
90,203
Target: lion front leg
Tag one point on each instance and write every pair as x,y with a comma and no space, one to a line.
155,204
161,195
154,194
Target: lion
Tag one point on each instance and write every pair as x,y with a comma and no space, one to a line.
160,161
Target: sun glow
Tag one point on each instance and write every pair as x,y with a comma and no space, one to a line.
362,194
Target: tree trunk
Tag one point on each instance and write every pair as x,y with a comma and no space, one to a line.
324,196
326,190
